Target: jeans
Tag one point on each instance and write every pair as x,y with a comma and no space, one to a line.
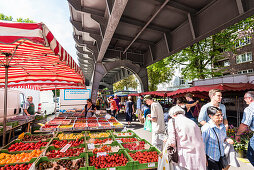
250,152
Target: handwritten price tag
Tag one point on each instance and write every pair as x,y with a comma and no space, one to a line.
151,164
90,146
111,169
101,154
65,147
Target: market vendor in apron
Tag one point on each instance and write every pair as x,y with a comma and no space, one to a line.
89,109
29,106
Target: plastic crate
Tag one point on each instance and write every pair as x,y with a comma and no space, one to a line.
38,134
5,148
83,132
53,148
128,131
112,144
79,146
128,166
150,165
146,142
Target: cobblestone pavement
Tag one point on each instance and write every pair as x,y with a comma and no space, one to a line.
139,130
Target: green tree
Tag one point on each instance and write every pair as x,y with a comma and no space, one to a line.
201,58
128,82
159,72
9,18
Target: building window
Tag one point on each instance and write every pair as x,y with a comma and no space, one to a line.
242,42
226,63
243,58
182,81
245,71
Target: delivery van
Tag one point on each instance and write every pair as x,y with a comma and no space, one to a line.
15,102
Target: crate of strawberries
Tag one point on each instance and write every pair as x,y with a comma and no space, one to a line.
146,159
53,153
111,148
137,145
117,161
18,146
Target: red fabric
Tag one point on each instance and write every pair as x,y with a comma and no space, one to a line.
134,94
31,60
155,93
206,88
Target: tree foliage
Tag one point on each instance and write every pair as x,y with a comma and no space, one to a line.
201,57
159,72
9,18
126,83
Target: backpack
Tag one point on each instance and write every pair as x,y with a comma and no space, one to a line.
196,110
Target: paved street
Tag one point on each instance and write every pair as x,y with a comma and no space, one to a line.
139,129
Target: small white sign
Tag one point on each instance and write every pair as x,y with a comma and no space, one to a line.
101,154
32,167
108,116
90,146
119,141
151,164
65,148
111,168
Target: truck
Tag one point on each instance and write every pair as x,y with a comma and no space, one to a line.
74,98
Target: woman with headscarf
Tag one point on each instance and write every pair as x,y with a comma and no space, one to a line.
185,136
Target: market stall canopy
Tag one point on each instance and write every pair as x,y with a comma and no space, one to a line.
153,93
223,87
31,53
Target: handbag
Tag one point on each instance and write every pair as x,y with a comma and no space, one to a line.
223,160
172,152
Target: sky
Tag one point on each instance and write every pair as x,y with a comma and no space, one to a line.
54,13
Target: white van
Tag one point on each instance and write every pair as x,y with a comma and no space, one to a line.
47,102
15,101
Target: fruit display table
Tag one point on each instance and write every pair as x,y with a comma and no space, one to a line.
68,122
86,150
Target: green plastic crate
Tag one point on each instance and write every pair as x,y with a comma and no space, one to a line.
137,150
53,148
112,144
128,166
82,145
150,165
133,134
37,134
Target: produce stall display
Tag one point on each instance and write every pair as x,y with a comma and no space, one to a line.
84,150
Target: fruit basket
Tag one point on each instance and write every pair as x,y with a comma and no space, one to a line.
18,146
53,153
65,163
24,157
124,161
145,159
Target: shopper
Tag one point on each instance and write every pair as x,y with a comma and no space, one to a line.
214,135
139,107
129,110
89,109
248,121
146,110
191,108
117,104
215,96
113,106
190,147
157,118
29,106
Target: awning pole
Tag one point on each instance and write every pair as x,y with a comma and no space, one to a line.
5,103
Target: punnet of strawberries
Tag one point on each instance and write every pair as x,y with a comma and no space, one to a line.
127,140
68,153
108,161
20,146
135,146
145,157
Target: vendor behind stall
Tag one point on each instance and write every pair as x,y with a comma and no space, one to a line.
89,109
29,106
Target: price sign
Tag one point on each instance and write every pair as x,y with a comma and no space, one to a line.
151,164
90,146
119,141
65,147
101,154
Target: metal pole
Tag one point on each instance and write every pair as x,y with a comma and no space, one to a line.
5,103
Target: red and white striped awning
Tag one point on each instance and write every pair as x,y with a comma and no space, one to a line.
32,54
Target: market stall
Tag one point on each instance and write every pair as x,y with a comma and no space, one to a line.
29,54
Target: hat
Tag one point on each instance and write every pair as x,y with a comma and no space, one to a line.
148,97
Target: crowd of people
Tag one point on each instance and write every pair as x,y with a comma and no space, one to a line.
198,148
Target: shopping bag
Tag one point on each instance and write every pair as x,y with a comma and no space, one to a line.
148,125
163,163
